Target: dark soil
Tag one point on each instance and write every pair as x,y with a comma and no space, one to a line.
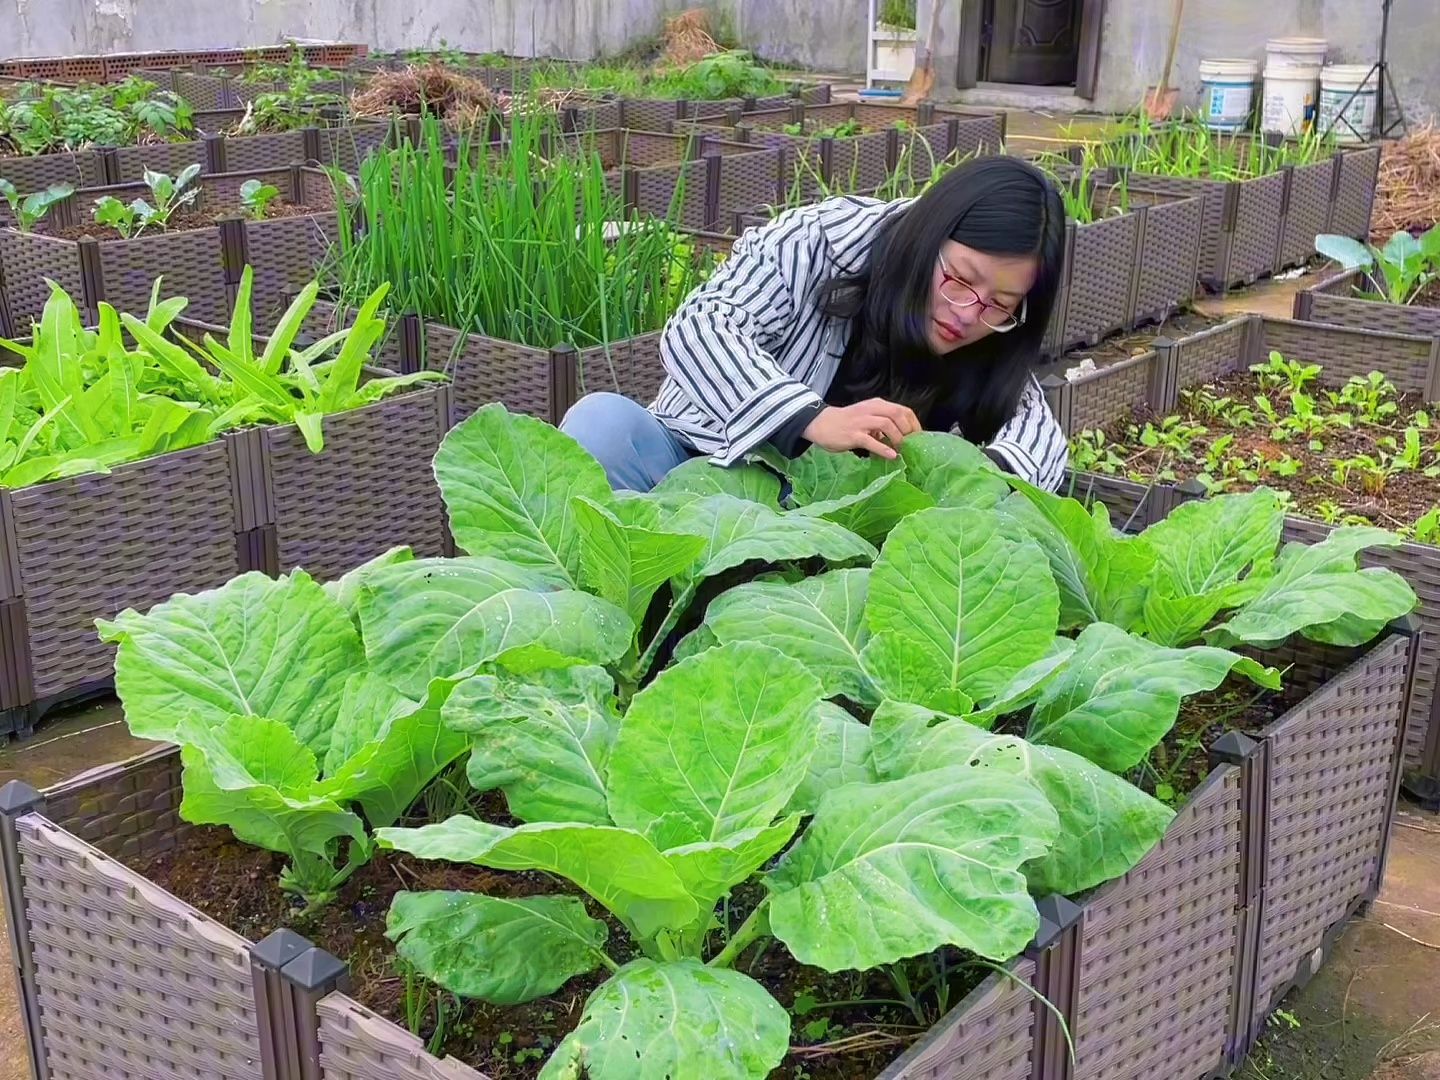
1182,760
1393,498
237,885
182,221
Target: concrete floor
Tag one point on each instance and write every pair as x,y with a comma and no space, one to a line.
1373,1013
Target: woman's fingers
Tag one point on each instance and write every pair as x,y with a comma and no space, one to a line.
903,417
864,441
882,426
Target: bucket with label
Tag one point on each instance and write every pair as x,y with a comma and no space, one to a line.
1351,87
1289,99
1227,88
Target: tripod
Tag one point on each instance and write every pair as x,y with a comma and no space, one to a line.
1382,67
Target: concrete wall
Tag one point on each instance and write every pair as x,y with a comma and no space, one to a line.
1135,35
827,35
579,28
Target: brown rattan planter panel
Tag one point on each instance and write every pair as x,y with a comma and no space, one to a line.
254,152
127,810
1307,211
131,162
284,254
524,378
82,168
356,1044
130,980
1169,256
988,1036
191,262
1333,301
1255,244
26,260
371,488
484,369
1355,192
1157,956
1330,789
89,546
1098,290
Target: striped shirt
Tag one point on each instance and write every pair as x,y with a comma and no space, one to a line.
750,349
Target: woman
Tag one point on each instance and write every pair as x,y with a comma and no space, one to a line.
853,323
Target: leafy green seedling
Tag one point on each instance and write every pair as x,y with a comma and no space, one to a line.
30,209
256,197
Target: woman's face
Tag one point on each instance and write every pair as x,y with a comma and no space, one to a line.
973,292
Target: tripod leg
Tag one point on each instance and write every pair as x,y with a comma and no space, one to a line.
1399,121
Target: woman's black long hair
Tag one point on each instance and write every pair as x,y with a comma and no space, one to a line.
996,205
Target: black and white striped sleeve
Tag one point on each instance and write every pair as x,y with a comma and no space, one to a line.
1032,442
717,346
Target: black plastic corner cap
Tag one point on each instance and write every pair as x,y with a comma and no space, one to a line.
1162,343
18,797
1191,488
276,950
1060,910
1046,935
314,969
1233,747
1407,625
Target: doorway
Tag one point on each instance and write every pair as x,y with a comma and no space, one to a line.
1030,43
1036,42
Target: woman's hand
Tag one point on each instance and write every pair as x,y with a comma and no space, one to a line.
877,425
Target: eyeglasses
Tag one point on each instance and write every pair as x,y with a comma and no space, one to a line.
960,294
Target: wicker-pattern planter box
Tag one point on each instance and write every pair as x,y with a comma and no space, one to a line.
115,66
646,114
83,548
203,265
1257,227
1332,300
1154,381
80,168
1124,270
1168,971
862,162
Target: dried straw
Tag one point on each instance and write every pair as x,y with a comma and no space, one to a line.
432,88
1407,191
688,39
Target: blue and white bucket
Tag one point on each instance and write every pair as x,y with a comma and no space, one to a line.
1227,91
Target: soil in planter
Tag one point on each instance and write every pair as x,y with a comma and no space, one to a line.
182,221
1382,469
1181,762
844,1027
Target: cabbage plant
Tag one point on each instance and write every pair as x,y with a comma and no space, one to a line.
911,712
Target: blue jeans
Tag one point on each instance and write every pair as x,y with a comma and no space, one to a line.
635,448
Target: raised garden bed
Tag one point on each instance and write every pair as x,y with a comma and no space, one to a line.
85,547
1134,263
818,157
538,382
1151,385
641,114
203,262
1336,300
114,66
1259,226
1171,969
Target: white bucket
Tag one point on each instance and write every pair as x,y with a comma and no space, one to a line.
1288,104
1226,90
1295,52
1338,83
